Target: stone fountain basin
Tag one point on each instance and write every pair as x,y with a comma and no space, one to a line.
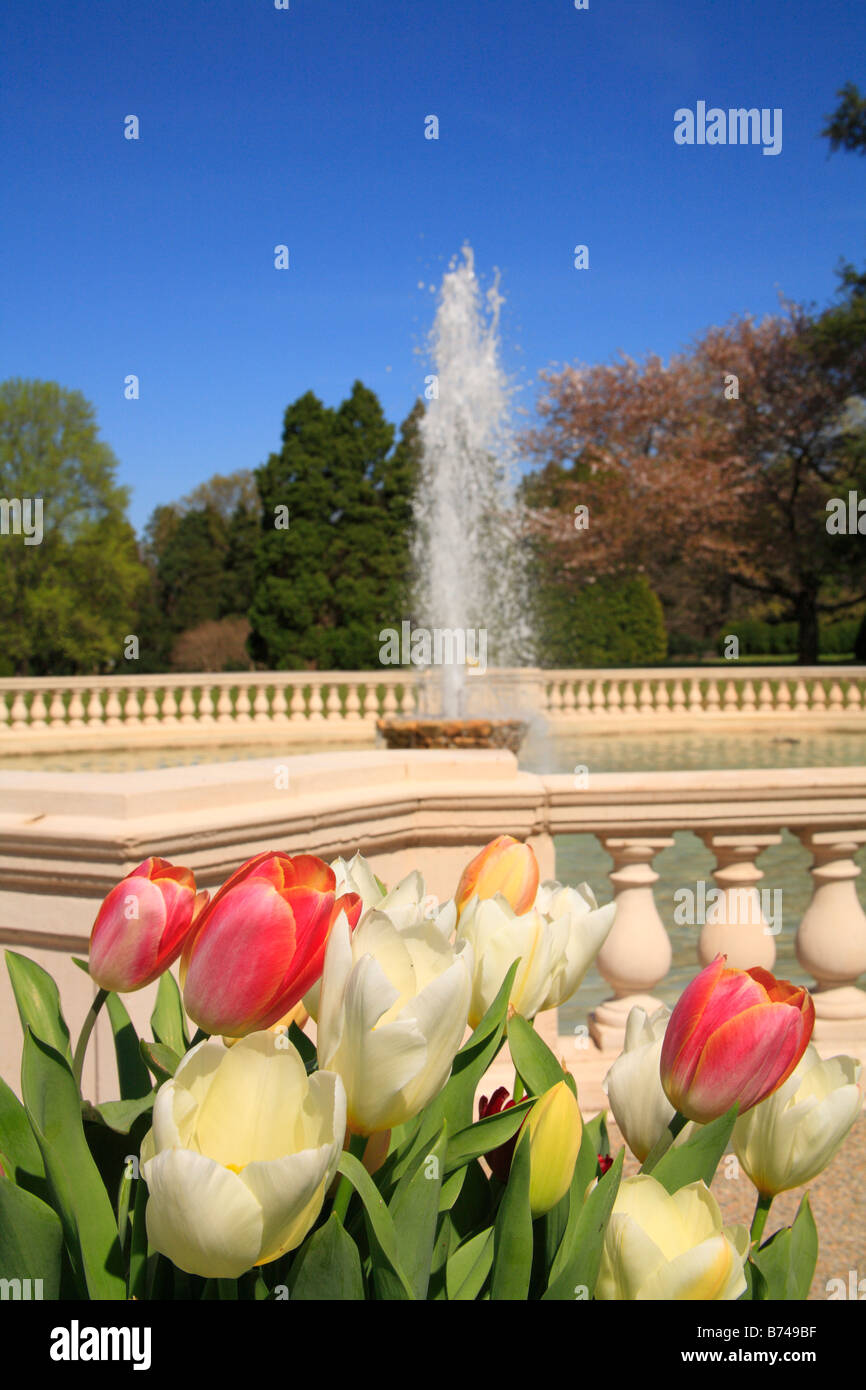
408,732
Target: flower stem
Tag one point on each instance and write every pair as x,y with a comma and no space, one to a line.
84,1035
357,1145
663,1143
762,1208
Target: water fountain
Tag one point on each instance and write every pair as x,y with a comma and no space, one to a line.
470,598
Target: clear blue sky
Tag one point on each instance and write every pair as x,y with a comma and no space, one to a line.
305,126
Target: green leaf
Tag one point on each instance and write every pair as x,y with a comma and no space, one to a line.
327,1267
138,1243
168,1020
121,1115
38,1002
787,1260
163,1061
414,1210
485,1135
380,1226
592,1143
77,1193
513,1240
305,1047
698,1158
19,1146
31,1239
132,1074
579,1257
467,1269
756,1284
534,1062
451,1189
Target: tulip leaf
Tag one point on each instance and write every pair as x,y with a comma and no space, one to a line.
138,1242
380,1226
167,1020
31,1240
585,1169
534,1062
451,1188
484,1135
132,1074
38,1002
512,1233
327,1266
305,1047
414,1210
77,1193
121,1115
455,1103
756,1284
161,1060
579,1263
22,1160
467,1269
787,1260
698,1158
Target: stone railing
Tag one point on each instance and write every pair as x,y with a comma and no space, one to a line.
65,839
342,706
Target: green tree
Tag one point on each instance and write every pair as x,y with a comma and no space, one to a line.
68,602
191,569
327,582
846,127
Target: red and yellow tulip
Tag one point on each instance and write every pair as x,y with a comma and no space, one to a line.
504,866
734,1035
142,925
260,944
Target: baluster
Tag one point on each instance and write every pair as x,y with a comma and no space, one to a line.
261,706
297,705
225,711
679,698
713,703
371,702
835,706
151,708
205,705
819,697
389,706
614,698
629,701
731,701
696,699
76,710
663,699
407,703
765,698
131,708
569,700
599,703
279,705
831,939
646,698
853,697
333,708
169,707
735,924
555,701
581,700
94,708
353,704
19,711
801,698
749,706
187,706
57,712
112,709
243,706
38,712
637,952
4,710
783,697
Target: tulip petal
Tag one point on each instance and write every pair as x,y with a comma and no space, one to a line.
743,1060
185,1191
251,1108
290,1192
710,1271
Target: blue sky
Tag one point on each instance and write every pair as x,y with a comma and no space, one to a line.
305,127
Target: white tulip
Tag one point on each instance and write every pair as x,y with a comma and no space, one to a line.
791,1136
557,941
392,1014
666,1247
243,1148
633,1084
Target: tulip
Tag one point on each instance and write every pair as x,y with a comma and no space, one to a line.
553,1129
392,1014
556,946
260,944
142,925
498,1159
505,866
242,1151
791,1137
633,1086
734,1036
665,1247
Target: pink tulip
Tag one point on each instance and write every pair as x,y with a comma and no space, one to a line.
259,946
141,926
734,1035
504,866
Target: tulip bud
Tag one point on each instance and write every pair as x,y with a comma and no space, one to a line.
260,944
633,1085
734,1036
505,866
791,1137
142,925
498,1159
554,1128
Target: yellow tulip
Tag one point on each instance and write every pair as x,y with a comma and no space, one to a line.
554,1128
504,866
666,1247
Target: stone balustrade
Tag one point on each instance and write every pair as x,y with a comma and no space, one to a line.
65,839
311,707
